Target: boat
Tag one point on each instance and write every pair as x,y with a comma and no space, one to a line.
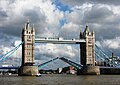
38,75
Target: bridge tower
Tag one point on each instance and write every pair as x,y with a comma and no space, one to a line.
28,37
87,49
87,52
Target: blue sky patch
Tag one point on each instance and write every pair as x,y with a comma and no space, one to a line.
61,6
62,21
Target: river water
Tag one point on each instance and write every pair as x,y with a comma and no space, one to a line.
58,79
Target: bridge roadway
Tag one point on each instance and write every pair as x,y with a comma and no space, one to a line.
59,41
17,67
9,67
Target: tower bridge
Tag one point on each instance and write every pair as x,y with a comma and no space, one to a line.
91,56
86,41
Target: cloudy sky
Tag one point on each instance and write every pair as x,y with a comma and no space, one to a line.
60,18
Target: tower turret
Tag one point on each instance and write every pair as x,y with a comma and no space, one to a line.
33,29
81,34
86,29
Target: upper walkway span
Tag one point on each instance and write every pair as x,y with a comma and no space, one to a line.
59,41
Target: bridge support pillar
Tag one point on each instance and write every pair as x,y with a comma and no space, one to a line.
28,70
89,70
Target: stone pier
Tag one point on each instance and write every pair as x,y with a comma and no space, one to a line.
28,71
89,70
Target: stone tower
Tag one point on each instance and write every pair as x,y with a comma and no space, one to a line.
87,54
28,37
87,49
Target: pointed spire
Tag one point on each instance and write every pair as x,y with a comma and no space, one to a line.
28,20
87,28
25,26
33,25
80,32
93,31
28,25
33,29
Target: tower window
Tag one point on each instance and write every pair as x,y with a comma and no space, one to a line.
28,53
29,37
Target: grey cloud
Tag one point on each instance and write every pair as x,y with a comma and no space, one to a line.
34,14
3,14
11,31
45,53
6,40
107,22
81,2
15,28
107,33
109,2
37,18
69,35
97,14
74,2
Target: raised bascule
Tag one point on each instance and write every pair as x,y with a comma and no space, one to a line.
86,41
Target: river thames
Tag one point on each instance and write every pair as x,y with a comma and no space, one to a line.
57,79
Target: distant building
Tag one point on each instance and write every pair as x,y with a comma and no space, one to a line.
68,70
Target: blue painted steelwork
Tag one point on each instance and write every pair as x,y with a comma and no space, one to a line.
112,62
77,66
101,56
3,57
108,67
101,51
39,66
98,56
10,67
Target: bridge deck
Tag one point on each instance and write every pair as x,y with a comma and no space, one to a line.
10,67
58,41
109,67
